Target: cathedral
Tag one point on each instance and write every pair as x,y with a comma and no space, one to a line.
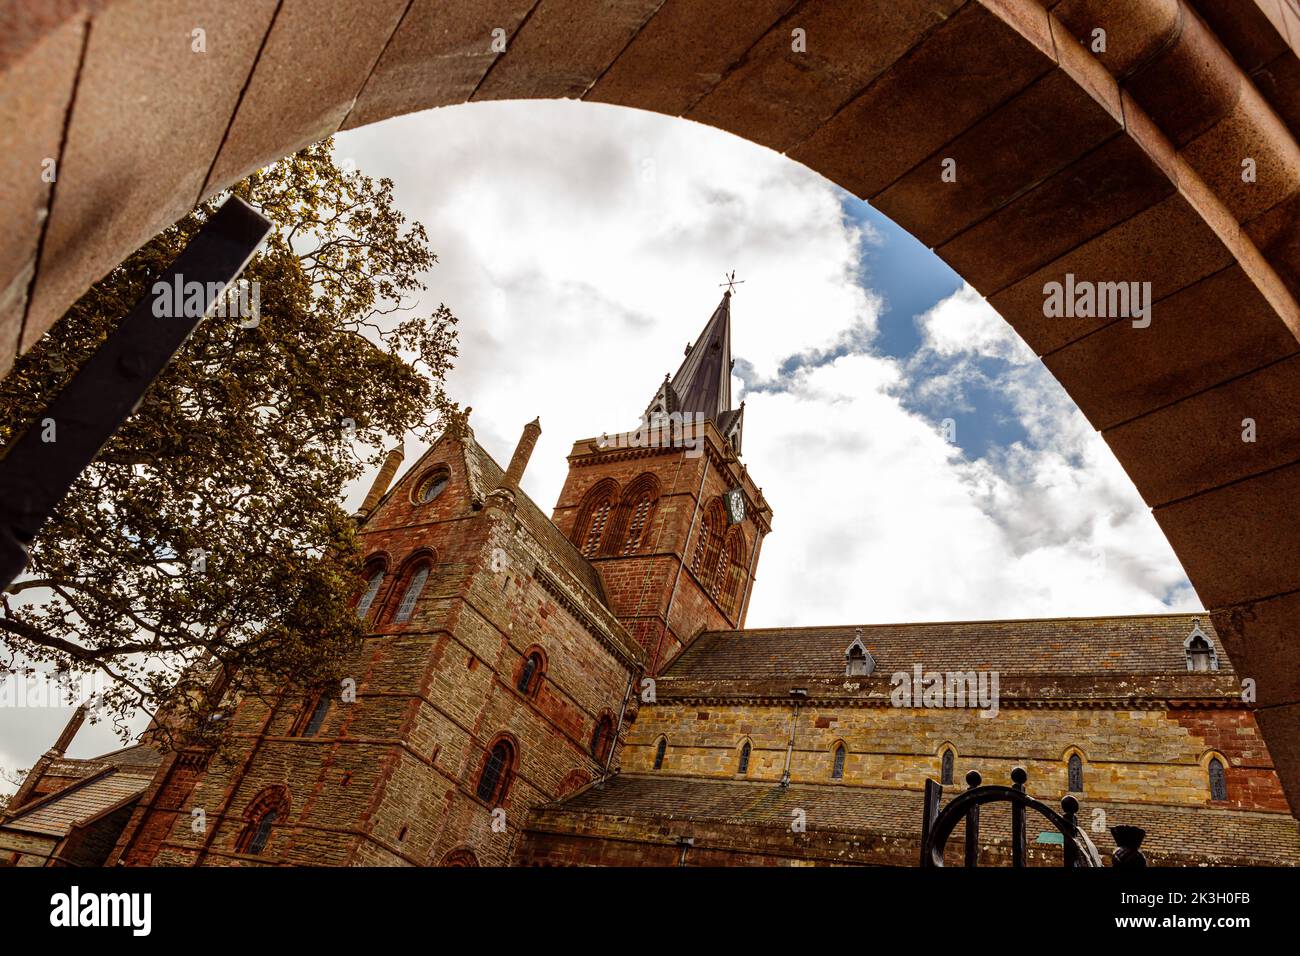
580,689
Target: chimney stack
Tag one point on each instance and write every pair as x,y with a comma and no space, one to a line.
382,481
523,451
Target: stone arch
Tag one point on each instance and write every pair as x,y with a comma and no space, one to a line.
461,856
1147,167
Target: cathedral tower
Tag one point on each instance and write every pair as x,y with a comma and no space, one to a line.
667,513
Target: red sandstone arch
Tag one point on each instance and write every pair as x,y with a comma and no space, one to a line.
1102,166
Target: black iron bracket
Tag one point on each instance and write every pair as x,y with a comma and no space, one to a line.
42,464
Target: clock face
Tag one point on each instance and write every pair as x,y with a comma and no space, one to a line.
735,506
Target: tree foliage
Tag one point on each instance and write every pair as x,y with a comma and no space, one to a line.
209,534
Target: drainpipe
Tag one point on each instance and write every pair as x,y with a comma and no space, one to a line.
685,843
798,693
613,744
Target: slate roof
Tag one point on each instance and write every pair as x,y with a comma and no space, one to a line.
1208,835
703,383
1149,644
80,803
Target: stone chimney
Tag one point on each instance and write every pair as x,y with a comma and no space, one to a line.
382,481
523,451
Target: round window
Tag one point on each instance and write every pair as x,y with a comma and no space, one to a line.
433,486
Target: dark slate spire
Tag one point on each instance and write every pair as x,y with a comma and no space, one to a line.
703,383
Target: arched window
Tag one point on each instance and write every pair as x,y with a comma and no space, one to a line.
1074,771
636,525
594,519
744,758
373,584
1218,780
732,572
660,749
530,675
460,857
635,513
432,486
601,738
262,832
708,545
413,589
837,765
318,714
947,766
494,781
269,808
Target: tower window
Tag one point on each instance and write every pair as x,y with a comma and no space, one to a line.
744,758
1218,780
636,525
947,767
530,676
369,595
660,749
594,519
318,715
407,607
494,781
837,765
1074,773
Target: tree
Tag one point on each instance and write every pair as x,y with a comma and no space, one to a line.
208,536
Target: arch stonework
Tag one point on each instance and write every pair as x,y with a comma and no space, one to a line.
1123,165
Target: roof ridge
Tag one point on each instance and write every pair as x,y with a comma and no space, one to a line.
1168,615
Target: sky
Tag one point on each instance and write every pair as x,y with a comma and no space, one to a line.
583,245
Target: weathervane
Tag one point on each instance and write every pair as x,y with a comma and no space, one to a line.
731,282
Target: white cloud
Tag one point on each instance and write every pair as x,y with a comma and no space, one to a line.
582,247
878,518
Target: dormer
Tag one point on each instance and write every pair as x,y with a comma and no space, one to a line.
858,661
1200,650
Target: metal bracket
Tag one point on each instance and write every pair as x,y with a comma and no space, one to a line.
37,473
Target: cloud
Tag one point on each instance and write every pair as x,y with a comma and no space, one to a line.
885,520
582,246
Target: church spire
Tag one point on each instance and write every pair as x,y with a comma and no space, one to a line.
702,385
